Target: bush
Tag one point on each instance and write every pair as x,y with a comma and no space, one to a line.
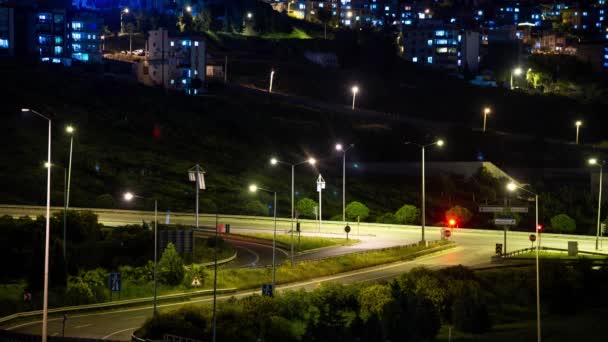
462,215
256,208
407,214
306,208
105,201
388,218
170,267
469,310
356,211
562,223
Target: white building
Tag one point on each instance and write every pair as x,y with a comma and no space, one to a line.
176,63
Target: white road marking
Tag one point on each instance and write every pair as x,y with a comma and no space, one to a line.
117,332
135,317
83,326
257,257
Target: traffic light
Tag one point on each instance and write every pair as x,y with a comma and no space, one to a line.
452,223
539,228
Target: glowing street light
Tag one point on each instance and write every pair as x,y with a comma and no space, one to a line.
340,148
486,112
189,9
69,129
271,79
596,162
517,71
512,187
129,196
249,15
439,143
355,90
275,161
578,125
255,188
122,13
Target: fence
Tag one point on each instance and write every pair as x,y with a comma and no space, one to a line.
11,336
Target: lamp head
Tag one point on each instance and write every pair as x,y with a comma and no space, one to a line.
273,161
440,142
126,10
25,110
47,164
517,71
355,89
312,161
578,123
188,8
128,196
253,188
339,147
592,161
511,186
70,129
249,15
487,110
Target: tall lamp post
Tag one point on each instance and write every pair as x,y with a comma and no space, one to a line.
600,163
129,196
255,188
320,188
486,111
340,148
45,299
65,207
70,130
122,25
355,90
512,187
271,79
423,212
275,161
517,71
578,125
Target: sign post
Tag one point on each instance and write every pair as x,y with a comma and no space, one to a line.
503,220
532,239
320,188
267,290
115,283
347,230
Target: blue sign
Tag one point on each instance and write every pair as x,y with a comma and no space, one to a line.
115,282
267,290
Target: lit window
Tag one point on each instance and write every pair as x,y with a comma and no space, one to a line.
459,38
442,50
584,14
76,25
58,50
172,43
440,33
172,82
386,8
81,56
420,15
320,5
184,81
408,22
415,59
76,36
45,59
3,43
76,47
429,42
429,60
195,43
302,6
453,20
58,40
459,62
56,60
347,22
479,12
441,42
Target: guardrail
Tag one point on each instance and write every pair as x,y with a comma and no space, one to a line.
127,302
533,249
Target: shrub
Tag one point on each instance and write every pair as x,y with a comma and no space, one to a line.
105,201
462,215
562,223
170,267
256,208
407,214
356,211
388,218
306,208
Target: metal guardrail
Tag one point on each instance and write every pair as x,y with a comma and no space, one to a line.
533,249
127,302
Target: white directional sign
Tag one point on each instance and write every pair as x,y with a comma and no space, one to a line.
499,209
505,222
320,183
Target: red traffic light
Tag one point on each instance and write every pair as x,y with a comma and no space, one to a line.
539,227
452,222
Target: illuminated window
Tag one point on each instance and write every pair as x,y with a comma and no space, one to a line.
442,42
415,59
56,60
58,50
442,50
3,43
172,43
195,43
429,42
58,40
440,33
76,25
320,5
81,56
172,82
76,47
76,36
184,81
386,8
429,60
302,6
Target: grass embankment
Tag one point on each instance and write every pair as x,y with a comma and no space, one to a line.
305,243
243,278
204,252
558,255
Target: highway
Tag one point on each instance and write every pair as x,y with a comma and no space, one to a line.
474,248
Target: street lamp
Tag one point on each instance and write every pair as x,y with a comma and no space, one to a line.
189,9
271,79
341,148
249,15
320,188
512,187
517,71
45,300
600,163
486,111
578,125
69,130
355,90
65,201
275,161
439,143
129,196
122,13
255,188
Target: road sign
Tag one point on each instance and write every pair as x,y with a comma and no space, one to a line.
447,233
320,183
505,222
498,249
267,290
115,282
196,282
500,209
347,229
532,237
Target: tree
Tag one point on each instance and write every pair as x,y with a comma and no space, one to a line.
256,208
388,218
407,214
105,201
324,16
170,267
306,208
462,215
202,22
356,211
562,223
